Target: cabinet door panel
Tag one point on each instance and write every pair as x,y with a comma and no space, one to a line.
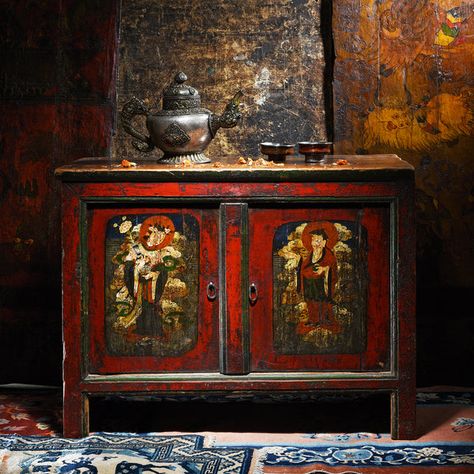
323,279
148,306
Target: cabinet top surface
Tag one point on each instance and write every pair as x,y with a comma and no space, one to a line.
332,168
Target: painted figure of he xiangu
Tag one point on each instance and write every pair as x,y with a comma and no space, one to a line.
319,287
152,291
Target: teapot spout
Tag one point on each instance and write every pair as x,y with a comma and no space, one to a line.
230,117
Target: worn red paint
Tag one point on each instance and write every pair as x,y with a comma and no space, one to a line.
387,214
234,290
204,355
263,223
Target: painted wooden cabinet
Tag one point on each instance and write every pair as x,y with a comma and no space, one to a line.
206,280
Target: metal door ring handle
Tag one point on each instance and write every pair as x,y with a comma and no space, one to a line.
211,291
253,293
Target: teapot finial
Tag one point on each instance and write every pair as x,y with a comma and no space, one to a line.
180,96
180,77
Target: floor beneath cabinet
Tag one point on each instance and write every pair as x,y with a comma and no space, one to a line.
326,435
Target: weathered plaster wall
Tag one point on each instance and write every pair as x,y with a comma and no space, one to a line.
56,105
272,51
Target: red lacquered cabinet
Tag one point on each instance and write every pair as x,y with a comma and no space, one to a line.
217,280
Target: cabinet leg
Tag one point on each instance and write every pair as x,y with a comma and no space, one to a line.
403,414
75,415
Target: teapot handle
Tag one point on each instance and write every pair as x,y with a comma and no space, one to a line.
132,108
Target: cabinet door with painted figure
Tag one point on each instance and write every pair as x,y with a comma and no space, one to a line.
322,288
152,290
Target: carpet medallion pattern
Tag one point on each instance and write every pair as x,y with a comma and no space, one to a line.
366,455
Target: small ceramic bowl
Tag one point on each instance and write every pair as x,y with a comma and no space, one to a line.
277,151
314,151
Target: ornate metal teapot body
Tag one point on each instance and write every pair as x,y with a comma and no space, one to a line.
182,130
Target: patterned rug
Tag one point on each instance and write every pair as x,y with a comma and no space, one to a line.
445,445
120,454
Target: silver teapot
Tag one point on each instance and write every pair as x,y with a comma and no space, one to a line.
182,130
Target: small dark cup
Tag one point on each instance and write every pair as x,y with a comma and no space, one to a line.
277,151
314,151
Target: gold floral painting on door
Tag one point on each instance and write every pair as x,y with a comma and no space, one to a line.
320,287
151,284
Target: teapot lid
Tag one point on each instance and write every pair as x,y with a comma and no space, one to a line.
178,96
